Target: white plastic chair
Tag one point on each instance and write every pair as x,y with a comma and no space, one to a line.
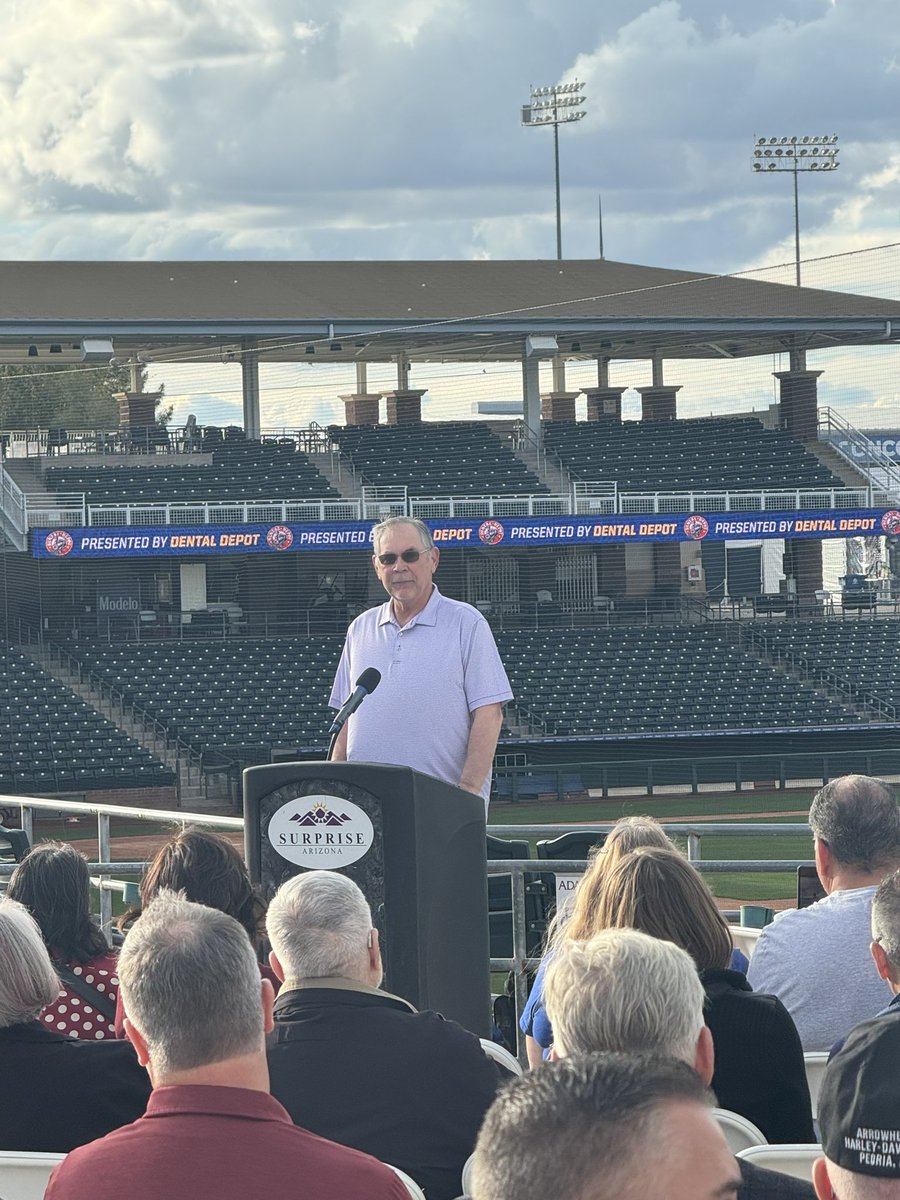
410,1184
744,938
501,1055
795,1159
740,1133
24,1176
815,1062
467,1175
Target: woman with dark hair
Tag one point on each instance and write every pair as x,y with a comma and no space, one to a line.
207,868
759,1069
53,883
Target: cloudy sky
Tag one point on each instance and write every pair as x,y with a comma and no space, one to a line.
389,129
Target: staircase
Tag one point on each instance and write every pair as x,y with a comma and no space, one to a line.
140,727
548,467
837,464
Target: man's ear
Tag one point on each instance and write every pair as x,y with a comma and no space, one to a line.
824,863
821,1181
705,1055
882,965
277,968
267,992
137,1040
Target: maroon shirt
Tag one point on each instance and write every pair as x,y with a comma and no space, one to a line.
218,1143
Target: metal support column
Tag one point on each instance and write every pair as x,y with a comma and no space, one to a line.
250,387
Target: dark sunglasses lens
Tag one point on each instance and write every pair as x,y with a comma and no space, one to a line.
410,555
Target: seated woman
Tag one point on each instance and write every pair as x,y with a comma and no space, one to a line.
54,884
759,1069
580,923
208,869
57,1093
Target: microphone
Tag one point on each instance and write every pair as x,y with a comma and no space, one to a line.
367,682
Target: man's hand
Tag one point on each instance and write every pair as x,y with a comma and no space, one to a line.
483,734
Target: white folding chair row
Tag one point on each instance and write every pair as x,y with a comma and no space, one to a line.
501,1055
815,1062
739,1132
790,1158
24,1176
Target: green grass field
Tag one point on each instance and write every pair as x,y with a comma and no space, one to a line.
748,886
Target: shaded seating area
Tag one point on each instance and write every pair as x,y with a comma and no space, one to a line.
52,741
706,454
656,679
240,471
240,698
458,458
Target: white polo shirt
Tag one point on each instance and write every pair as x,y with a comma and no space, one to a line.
435,671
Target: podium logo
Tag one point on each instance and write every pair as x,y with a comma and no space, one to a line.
321,832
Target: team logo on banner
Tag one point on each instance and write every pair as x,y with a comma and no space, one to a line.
490,532
696,527
279,537
59,542
890,522
321,832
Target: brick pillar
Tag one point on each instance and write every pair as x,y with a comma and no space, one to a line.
558,406
604,403
404,407
799,414
658,402
361,408
137,409
803,561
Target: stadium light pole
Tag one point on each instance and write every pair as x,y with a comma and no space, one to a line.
556,105
796,154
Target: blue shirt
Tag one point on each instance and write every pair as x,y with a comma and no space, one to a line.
436,670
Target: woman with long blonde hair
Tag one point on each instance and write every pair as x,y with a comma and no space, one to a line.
579,920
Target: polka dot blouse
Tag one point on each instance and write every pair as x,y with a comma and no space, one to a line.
75,1017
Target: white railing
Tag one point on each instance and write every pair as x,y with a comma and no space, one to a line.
54,508
868,455
15,516
381,502
224,512
782,499
600,497
436,507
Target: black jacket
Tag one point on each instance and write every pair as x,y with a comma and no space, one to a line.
363,1068
58,1093
759,1060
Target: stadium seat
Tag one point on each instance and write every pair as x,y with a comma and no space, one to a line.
740,1134
24,1176
794,1159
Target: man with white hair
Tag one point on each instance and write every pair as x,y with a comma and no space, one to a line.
859,1116
353,1062
57,1092
196,1012
625,991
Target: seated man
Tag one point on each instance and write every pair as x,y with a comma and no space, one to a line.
858,1114
816,959
57,1092
359,1065
625,991
604,1127
196,1012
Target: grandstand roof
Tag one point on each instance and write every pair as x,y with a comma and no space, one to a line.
370,311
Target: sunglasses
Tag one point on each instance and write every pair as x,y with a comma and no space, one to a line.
408,556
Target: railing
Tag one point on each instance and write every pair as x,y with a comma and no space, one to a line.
780,500
221,512
54,508
869,454
15,518
106,867
436,507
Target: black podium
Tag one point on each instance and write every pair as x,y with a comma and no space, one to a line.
416,848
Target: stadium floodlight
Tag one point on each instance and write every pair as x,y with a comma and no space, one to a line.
558,105
796,154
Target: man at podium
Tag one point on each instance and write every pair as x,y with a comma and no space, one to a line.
439,704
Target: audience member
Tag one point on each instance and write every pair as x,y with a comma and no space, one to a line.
886,936
760,1071
858,1114
207,868
196,1012
604,1127
359,1065
54,884
816,959
628,992
626,835
57,1092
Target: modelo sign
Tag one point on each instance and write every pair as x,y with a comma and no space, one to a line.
320,832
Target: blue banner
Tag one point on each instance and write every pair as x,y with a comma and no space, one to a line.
500,532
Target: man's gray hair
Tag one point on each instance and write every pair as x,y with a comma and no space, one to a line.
623,990
319,925
28,982
592,1125
383,527
858,818
886,920
190,984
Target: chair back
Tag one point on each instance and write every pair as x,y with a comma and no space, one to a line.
815,1062
467,1175
501,1055
740,1133
24,1176
794,1159
410,1184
